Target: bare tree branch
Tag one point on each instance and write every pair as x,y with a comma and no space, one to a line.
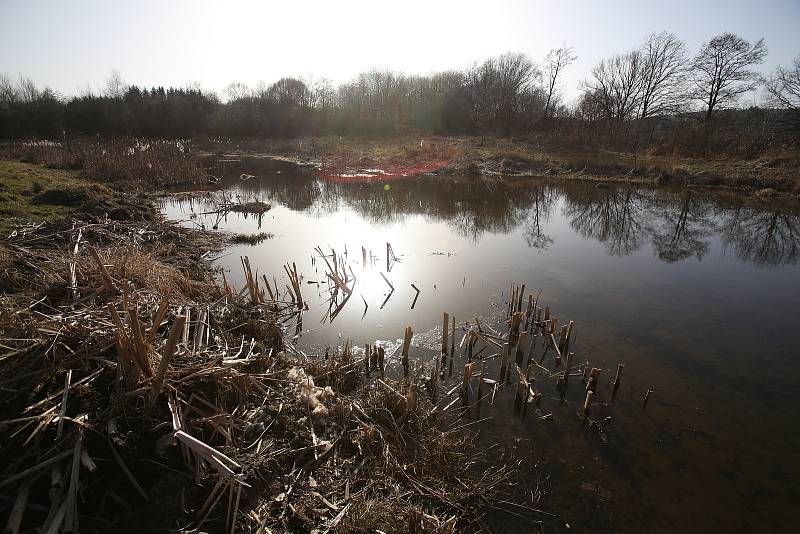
722,71
556,60
663,71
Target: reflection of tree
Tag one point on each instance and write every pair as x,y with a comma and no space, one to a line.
470,207
539,212
623,218
683,227
613,216
764,238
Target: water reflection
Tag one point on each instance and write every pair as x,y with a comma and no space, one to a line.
677,224
617,217
762,237
682,231
538,215
647,274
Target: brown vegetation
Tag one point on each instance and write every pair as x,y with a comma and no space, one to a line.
251,239
563,155
133,163
139,395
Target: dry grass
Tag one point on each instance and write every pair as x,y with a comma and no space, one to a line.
137,163
251,239
293,444
147,271
5,257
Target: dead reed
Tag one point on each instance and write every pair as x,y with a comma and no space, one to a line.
138,163
136,390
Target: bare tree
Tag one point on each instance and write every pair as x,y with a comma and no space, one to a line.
589,106
556,60
496,87
322,92
663,71
722,70
237,91
290,92
8,93
515,72
784,87
27,90
617,85
115,85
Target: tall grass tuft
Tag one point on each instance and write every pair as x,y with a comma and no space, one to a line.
136,163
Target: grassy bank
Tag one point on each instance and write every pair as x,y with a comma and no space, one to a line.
774,174
33,193
127,163
143,165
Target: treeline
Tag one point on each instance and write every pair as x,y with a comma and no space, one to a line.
505,94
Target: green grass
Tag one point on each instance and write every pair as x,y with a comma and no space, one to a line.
21,184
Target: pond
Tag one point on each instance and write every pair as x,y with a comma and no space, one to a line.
695,293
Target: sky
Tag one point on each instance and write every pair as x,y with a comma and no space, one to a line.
72,45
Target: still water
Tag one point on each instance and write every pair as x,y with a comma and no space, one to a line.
696,294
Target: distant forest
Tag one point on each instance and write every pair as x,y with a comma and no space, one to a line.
503,95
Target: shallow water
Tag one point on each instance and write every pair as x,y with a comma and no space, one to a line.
696,294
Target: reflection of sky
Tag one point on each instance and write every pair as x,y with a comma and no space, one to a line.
460,272
710,327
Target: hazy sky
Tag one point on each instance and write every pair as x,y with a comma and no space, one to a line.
71,44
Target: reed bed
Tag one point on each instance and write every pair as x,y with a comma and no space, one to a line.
143,164
141,394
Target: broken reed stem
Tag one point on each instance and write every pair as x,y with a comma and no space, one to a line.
166,358
617,379
516,319
563,380
594,375
294,279
406,344
252,286
452,347
435,370
528,311
163,308
527,399
63,411
125,345
41,465
107,281
518,392
587,403
445,332
522,341
504,362
465,384
479,400
568,337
